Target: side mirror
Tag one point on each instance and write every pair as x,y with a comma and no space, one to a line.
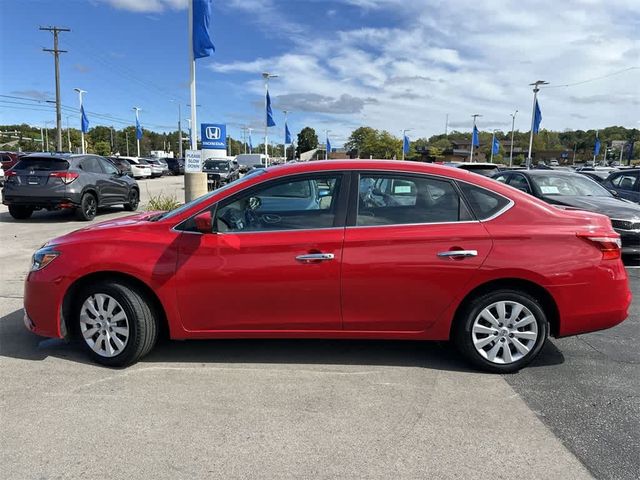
204,222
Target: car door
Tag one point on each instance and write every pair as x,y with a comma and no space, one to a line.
626,184
405,261
115,186
269,264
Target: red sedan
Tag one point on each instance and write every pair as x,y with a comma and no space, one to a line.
338,249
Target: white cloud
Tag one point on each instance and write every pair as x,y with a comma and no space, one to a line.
147,6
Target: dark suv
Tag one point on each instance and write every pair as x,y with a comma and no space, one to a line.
56,181
626,183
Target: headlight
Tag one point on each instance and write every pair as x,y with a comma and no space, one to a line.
43,257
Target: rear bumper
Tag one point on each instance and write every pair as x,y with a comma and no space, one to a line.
52,202
597,305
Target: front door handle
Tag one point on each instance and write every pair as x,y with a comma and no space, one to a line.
459,253
315,257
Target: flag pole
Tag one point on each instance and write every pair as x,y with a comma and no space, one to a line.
594,150
475,115
285,136
536,89
137,123
80,92
513,123
493,140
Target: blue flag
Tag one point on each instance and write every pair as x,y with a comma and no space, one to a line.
138,130
202,43
270,121
475,139
496,145
537,117
406,144
84,122
250,143
596,147
287,134
328,145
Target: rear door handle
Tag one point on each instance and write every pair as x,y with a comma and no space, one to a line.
459,253
315,257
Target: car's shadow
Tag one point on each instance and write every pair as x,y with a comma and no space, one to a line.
60,216
17,342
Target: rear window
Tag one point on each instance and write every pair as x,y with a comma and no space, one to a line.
42,164
484,203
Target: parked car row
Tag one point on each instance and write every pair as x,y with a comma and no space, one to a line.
148,167
82,183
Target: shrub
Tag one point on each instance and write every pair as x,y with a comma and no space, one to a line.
163,202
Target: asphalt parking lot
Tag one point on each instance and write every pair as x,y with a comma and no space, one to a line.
306,409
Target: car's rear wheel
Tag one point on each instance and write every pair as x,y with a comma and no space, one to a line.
134,201
116,323
502,331
88,207
20,212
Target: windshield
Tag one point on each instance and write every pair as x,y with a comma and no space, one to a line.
219,165
204,198
569,185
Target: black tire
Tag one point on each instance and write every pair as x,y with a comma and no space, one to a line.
142,322
88,208
464,338
134,201
20,212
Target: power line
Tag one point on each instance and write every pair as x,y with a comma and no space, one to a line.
593,79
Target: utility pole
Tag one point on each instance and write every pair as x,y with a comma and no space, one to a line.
111,132
126,139
475,116
536,89
56,53
513,123
41,139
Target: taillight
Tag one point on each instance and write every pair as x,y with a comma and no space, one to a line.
10,173
66,177
609,245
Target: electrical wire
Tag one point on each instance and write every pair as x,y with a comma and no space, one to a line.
590,79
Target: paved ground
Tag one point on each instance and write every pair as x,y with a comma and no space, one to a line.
305,409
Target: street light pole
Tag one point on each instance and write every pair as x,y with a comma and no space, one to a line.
80,93
137,109
513,123
266,76
536,89
475,115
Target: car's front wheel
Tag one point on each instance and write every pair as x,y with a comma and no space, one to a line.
116,323
502,331
20,212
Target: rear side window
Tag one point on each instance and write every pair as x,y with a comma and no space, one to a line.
484,203
393,199
91,164
42,164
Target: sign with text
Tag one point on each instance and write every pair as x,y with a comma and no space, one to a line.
213,136
193,161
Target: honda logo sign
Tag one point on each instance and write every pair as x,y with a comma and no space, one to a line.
214,136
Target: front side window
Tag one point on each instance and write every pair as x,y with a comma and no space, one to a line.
395,199
298,204
520,182
108,167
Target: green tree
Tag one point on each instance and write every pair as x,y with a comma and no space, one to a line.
307,140
101,147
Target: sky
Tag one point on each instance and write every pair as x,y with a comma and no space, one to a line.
341,64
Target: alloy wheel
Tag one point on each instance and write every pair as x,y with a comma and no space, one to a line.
104,325
504,332
90,206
